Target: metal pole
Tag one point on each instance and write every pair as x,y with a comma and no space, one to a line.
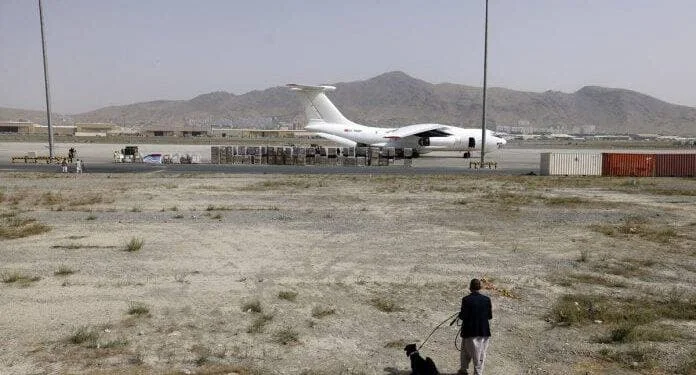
485,66
48,96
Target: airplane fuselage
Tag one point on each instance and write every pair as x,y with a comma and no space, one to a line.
459,139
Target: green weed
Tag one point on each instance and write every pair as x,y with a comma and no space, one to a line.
134,244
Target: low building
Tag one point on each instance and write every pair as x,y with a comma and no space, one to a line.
16,127
57,129
94,129
175,133
259,133
25,127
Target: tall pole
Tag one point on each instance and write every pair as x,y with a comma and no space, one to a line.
48,96
485,67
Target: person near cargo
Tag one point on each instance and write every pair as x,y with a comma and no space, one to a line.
78,166
71,154
64,166
475,313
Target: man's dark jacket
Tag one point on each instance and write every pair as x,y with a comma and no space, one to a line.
475,313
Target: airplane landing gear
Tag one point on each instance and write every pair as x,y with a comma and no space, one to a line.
466,155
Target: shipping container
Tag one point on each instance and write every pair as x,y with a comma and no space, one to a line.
571,164
633,165
675,165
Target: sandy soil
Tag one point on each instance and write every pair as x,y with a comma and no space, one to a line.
346,271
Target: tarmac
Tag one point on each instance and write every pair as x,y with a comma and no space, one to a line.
98,158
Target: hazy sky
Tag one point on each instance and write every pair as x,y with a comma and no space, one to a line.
116,52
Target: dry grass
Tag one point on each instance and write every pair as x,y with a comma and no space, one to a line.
640,227
385,304
688,367
635,357
568,279
212,207
64,270
253,306
51,199
88,199
259,322
286,336
134,244
288,295
283,184
565,201
322,311
138,309
84,335
627,332
74,246
18,278
397,344
625,268
12,227
579,309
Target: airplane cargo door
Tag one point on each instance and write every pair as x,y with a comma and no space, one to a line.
472,142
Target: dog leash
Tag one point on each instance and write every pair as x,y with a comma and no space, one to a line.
438,326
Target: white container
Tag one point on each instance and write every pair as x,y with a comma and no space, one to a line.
571,164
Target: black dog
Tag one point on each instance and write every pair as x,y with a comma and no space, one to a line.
420,366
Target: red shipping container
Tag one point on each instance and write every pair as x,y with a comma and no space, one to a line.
632,165
675,165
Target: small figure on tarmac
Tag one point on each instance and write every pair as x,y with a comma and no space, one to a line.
78,166
64,166
71,154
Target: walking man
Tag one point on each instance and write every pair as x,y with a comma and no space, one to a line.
475,313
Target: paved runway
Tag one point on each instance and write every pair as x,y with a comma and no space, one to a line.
98,158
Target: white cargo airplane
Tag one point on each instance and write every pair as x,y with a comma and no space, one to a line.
326,121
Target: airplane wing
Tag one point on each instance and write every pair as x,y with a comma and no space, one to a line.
419,130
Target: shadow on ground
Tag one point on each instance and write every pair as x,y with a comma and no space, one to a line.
396,371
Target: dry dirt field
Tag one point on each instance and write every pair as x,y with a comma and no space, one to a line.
327,274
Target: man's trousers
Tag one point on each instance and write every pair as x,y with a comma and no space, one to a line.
473,349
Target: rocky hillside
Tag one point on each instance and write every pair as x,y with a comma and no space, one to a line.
395,98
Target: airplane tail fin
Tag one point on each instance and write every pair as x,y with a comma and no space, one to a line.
317,105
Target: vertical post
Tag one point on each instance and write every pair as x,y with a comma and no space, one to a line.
48,96
485,66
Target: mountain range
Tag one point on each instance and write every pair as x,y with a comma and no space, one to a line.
395,98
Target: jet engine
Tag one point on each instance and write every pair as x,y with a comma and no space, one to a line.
424,141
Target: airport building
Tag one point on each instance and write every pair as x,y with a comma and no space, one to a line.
258,133
98,129
25,127
174,133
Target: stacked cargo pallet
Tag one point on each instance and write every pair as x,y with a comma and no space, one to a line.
287,155
617,164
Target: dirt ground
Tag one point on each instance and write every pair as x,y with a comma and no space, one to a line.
330,274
